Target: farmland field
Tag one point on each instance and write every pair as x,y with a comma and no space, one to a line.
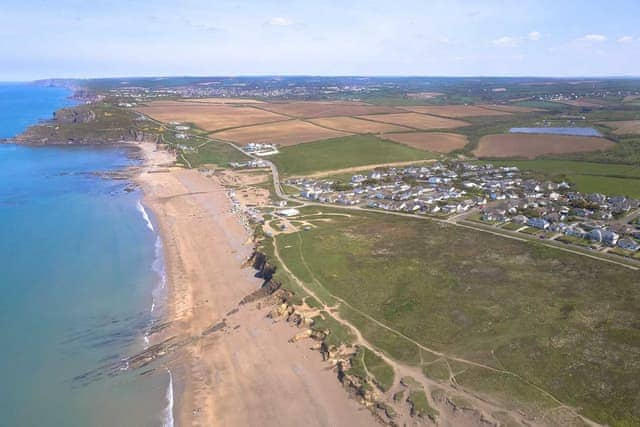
416,121
353,125
206,116
584,102
340,153
430,141
624,127
225,101
315,109
532,146
516,320
288,132
457,111
512,108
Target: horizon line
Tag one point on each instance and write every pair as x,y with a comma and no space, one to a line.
376,76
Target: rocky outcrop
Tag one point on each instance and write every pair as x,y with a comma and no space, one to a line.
260,262
88,124
268,288
74,116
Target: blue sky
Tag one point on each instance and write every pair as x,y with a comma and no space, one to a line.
98,38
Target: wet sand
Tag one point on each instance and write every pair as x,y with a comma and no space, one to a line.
247,373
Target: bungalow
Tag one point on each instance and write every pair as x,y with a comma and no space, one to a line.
538,223
520,219
603,236
581,212
559,227
620,204
288,212
629,244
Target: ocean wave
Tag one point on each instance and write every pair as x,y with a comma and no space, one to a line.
167,416
158,293
145,216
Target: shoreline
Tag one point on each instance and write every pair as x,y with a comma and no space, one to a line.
246,373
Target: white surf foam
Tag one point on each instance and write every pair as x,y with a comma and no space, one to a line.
167,418
158,293
145,216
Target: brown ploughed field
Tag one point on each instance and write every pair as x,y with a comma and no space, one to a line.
624,127
312,109
417,121
351,124
430,141
226,101
532,146
511,108
208,116
290,132
457,111
587,103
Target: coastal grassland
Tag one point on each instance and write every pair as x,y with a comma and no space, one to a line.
338,333
378,368
613,179
340,153
199,152
365,363
540,324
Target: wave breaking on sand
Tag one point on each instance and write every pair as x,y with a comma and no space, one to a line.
167,418
145,216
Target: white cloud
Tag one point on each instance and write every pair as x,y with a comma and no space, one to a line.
534,35
625,39
506,41
593,38
280,21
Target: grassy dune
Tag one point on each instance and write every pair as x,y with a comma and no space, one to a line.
551,325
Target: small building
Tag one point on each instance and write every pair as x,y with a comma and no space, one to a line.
538,223
288,212
629,244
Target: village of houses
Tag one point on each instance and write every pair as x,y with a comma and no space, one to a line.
499,196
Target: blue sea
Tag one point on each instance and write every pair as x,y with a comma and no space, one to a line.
80,270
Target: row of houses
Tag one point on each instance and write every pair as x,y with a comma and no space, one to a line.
501,194
250,164
444,188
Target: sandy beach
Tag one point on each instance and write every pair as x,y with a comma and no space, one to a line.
246,373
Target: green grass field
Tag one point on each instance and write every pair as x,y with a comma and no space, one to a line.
588,177
214,153
342,153
562,322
